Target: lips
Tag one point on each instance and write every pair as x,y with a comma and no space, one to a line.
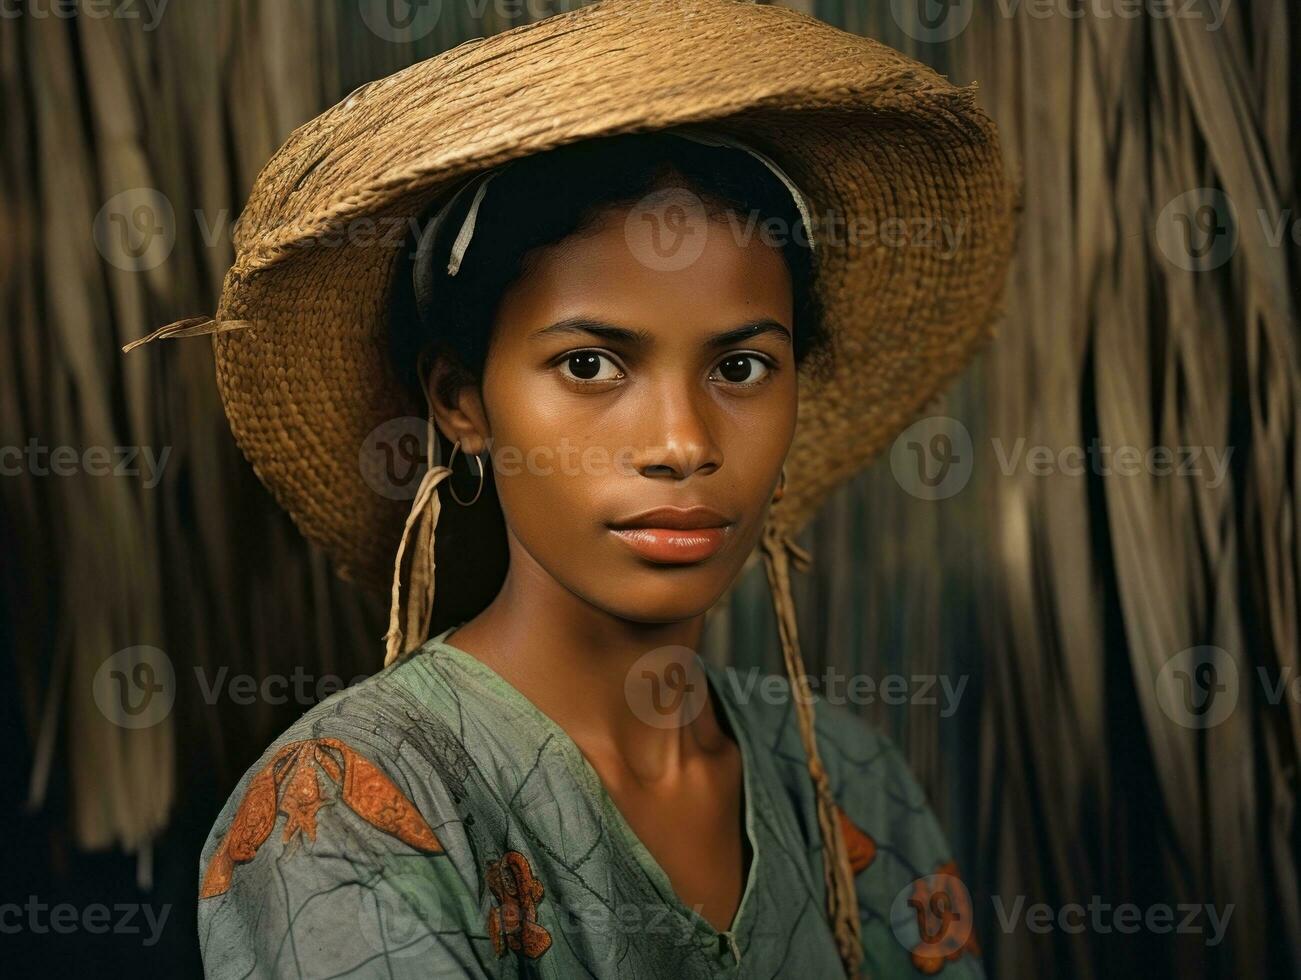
674,535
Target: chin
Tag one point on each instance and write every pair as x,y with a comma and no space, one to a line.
671,594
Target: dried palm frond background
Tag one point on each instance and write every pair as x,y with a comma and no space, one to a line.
1106,707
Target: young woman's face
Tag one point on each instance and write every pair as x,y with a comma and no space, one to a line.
614,386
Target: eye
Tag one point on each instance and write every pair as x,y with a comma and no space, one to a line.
589,365
743,369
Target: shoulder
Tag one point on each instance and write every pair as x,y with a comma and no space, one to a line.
344,843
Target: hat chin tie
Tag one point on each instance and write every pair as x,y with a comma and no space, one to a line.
420,590
425,509
779,553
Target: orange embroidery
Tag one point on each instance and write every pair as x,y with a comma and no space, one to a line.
862,849
514,923
295,774
945,919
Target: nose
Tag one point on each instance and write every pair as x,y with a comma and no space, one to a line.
679,437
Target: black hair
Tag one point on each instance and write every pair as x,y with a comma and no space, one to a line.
542,199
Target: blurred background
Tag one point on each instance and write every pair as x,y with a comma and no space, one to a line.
1083,561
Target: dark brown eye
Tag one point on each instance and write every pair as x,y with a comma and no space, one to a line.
742,369
590,365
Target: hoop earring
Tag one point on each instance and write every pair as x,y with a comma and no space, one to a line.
456,447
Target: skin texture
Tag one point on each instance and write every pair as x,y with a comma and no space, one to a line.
580,612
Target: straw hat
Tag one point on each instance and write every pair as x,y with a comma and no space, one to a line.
911,265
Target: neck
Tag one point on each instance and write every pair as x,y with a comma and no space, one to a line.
574,662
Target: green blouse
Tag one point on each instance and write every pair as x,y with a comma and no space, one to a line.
432,822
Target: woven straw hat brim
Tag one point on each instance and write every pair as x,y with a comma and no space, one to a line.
868,134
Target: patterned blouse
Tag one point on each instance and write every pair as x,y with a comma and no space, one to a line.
432,822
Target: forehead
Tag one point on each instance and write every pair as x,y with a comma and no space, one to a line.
670,272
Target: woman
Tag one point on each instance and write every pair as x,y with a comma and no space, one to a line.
631,306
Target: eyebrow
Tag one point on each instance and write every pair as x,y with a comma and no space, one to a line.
643,338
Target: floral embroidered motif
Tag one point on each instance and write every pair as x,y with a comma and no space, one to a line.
514,923
294,774
945,920
862,849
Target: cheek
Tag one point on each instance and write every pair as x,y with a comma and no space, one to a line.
542,456
759,437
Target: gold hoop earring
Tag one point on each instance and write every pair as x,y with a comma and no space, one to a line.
781,486
456,447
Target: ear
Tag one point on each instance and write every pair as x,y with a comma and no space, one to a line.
462,418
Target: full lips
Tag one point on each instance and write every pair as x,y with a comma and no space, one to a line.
671,545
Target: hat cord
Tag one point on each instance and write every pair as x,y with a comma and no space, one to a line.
842,900
425,509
